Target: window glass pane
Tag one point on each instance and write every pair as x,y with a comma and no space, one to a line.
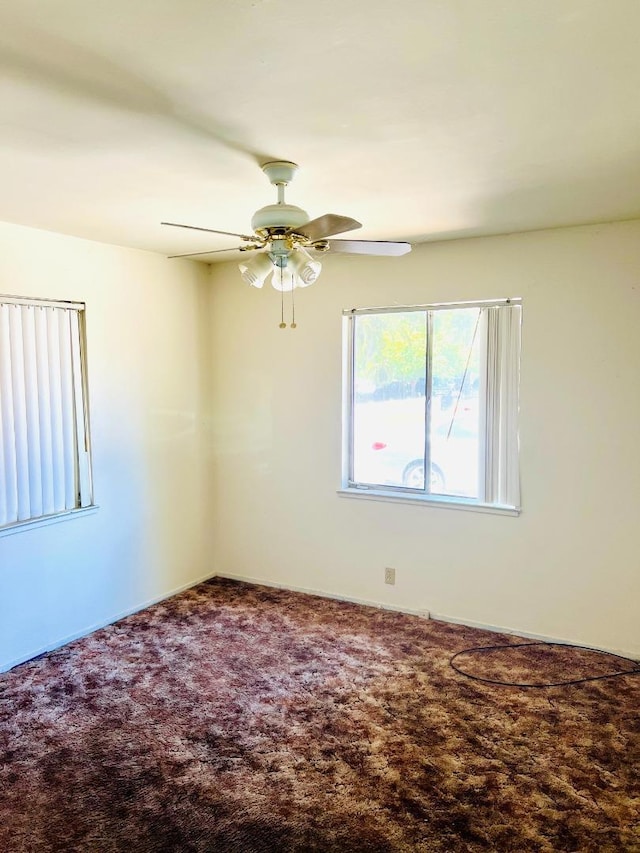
454,434
389,398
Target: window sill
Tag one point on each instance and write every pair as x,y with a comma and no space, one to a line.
46,520
441,502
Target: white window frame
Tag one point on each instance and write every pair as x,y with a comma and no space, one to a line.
45,450
500,483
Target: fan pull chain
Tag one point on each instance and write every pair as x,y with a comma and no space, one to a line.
293,306
283,325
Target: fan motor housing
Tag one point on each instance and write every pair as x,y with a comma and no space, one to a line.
279,216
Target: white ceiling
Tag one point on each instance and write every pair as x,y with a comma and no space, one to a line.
424,119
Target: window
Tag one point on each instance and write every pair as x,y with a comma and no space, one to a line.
44,435
431,402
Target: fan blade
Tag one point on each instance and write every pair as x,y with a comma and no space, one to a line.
210,252
325,226
209,230
369,247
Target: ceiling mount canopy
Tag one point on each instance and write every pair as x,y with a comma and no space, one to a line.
287,240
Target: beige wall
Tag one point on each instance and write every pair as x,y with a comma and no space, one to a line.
568,566
147,330
251,490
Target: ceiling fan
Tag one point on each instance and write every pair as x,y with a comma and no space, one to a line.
288,243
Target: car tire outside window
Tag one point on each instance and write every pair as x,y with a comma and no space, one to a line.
413,476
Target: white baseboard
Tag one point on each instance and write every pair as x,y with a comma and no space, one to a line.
515,632
7,665
380,605
426,614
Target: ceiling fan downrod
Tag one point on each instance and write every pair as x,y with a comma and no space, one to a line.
281,214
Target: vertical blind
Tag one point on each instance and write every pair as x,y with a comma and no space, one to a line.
44,462
502,480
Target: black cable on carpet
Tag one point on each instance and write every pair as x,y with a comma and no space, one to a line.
634,671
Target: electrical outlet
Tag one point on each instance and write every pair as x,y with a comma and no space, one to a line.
390,576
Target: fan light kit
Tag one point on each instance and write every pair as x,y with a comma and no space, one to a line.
287,242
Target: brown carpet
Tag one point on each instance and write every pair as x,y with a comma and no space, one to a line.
240,718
